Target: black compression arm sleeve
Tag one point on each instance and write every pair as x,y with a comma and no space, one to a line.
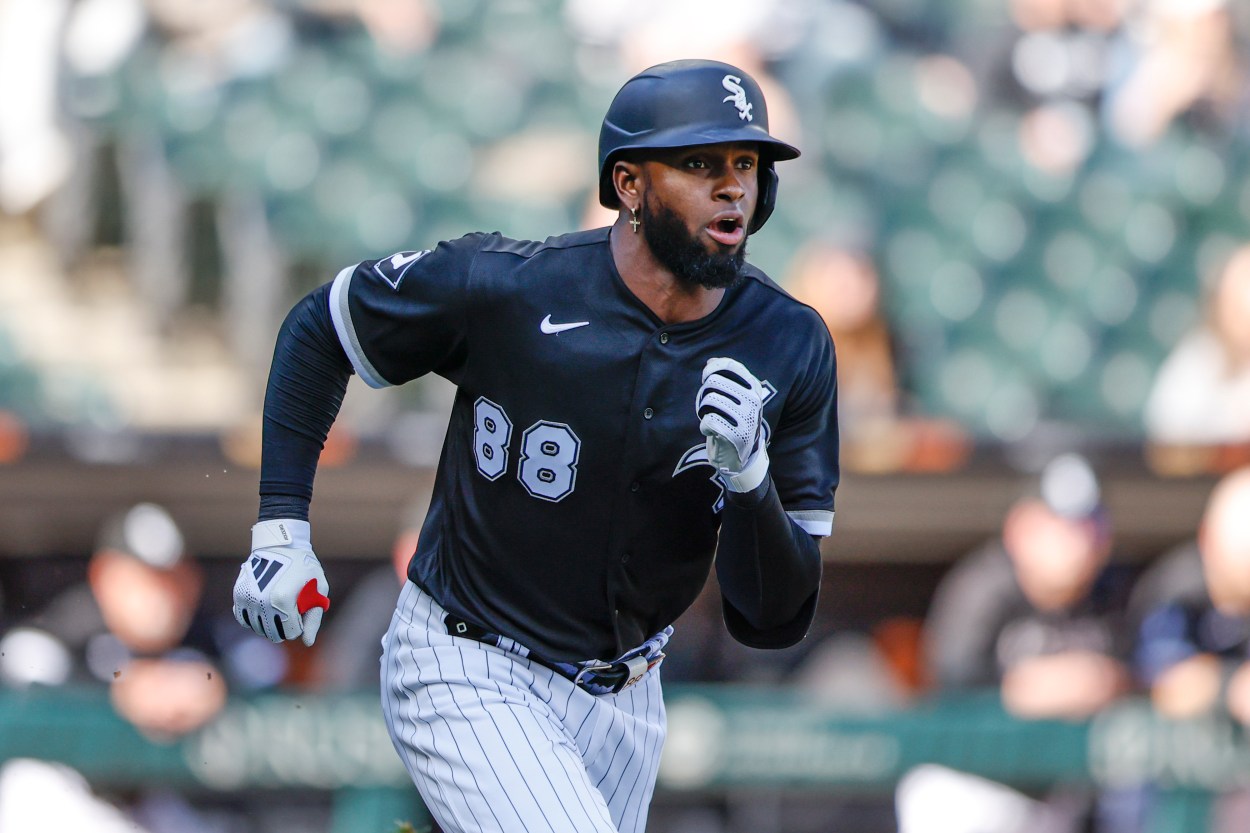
307,382
768,568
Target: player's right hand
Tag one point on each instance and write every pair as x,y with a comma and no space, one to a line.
282,592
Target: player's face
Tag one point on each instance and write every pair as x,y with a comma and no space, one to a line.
695,210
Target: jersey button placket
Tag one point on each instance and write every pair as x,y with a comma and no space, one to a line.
663,338
648,413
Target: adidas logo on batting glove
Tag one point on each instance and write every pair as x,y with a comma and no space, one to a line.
281,592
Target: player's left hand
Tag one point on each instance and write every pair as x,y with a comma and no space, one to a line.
730,405
281,592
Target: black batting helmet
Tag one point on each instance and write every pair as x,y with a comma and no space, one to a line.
687,103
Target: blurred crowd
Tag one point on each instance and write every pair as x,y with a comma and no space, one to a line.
1043,617
1008,212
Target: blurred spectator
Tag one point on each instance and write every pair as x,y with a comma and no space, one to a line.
1201,395
37,796
134,625
220,41
137,626
1184,61
163,682
843,285
1193,647
1060,64
1194,643
34,153
1136,66
397,26
844,288
1035,615
1034,612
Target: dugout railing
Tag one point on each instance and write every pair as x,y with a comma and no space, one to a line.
722,738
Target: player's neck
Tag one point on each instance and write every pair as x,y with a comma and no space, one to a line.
672,301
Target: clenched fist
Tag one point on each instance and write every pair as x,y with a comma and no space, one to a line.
730,407
281,592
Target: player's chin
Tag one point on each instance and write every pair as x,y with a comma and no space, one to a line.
722,252
718,268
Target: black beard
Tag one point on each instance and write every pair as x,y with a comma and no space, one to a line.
683,255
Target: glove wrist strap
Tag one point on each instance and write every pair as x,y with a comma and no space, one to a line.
752,474
282,532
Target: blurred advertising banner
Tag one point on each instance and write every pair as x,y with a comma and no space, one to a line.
720,737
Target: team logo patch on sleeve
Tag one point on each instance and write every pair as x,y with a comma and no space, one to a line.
393,269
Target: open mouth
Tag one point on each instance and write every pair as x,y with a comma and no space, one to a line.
727,230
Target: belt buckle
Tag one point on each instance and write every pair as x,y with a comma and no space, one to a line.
634,669
593,668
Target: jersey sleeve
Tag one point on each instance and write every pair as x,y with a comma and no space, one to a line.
803,448
403,316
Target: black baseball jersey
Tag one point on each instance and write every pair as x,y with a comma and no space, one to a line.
574,508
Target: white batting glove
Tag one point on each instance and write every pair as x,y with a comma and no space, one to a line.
730,405
282,592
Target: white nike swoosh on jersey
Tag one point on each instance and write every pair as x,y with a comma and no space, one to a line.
547,327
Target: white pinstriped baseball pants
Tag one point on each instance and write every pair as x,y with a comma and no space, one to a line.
495,742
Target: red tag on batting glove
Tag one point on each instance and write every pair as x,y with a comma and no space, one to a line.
310,597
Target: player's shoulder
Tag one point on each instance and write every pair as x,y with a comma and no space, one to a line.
765,292
470,246
504,267
757,278
447,257
527,249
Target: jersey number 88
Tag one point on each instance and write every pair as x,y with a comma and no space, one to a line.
549,452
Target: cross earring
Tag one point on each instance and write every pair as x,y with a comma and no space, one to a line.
633,219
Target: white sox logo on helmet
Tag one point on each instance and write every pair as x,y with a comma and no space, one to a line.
737,96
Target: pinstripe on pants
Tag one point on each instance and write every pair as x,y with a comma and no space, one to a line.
496,742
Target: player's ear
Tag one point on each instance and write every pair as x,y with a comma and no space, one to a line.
627,179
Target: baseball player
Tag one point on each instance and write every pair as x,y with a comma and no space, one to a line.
634,403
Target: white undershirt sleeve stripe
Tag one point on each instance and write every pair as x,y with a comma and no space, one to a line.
342,318
813,521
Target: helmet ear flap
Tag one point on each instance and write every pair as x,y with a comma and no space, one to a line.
768,182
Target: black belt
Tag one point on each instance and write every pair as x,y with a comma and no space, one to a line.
594,677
